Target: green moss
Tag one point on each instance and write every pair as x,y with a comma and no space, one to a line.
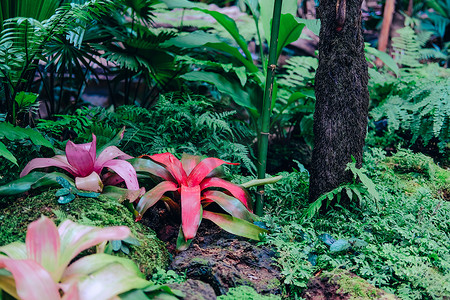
14,219
354,286
274,283
246,292
416,170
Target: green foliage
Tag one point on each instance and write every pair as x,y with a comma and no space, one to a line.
23,42
417,103
162,276
12,133
353,192
177,123
403,246
245,292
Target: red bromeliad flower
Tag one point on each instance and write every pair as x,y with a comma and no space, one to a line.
82,162
191,180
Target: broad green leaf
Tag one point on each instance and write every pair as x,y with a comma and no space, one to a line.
25,183
290,31
50,179
234,225
340,245
116,245
134,295
66,199
203,39
311,24
25,99
62,192
232,89
230,25
7,154
11,132
165,288
266,10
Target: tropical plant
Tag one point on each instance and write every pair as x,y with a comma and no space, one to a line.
23,41
83,163
190,181
138,61
12,133
39,268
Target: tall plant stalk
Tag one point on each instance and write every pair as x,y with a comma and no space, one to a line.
263,141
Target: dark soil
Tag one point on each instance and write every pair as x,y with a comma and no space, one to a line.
217,257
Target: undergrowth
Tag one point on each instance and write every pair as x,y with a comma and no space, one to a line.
402,247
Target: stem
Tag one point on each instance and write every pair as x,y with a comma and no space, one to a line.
265,116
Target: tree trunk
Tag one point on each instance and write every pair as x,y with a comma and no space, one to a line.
342,96
388,14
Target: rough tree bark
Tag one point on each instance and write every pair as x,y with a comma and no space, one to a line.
342,96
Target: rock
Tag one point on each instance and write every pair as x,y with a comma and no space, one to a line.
228,263
342,285
14,219
195,290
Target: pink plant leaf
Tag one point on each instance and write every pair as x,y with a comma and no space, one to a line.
234,225
43,244
189,162
79,158
107,155
72,293
76,238
230,204
125,170
90,147
173,165
204,168
56,161
154,195
191,210
235,190
149,166
32,281
91,183
111,179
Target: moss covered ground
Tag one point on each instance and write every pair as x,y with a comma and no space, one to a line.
150,255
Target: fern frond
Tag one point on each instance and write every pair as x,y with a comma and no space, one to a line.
407,47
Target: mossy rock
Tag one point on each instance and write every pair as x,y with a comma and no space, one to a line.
416,170
150,255
343,285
